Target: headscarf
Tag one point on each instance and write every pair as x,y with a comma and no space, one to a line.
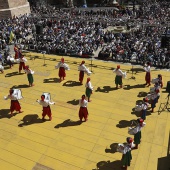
118,67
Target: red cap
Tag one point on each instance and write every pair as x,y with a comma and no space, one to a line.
82,62
129,140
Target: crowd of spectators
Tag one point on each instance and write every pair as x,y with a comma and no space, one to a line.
82,32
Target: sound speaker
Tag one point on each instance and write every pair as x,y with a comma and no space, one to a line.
168,87
39,29
165,41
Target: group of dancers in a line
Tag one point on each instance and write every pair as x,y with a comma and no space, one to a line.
45,101
151,98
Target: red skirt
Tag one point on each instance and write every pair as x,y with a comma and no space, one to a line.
83,113
81,75
15,105
148,77
46,111
61,72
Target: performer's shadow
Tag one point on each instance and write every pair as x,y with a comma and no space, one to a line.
67,123
137,70
21,86
5,113
13,74
73,102
112,149
107,165
30,119
71,83
51,80
128,87
142,94
105,89
124,123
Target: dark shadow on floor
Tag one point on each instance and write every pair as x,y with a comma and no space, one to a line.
142,94
73,102
67,123
128,87
137,70
112,149
30,119
5,113
164,162
124,123
52,80
71,83
13,74
105,89
107,165
21,86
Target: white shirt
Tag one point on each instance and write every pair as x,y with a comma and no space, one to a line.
89,85
145,106
82,67
29,71
138,128
83,104
12,97
118,72
147,69
45,103
22,60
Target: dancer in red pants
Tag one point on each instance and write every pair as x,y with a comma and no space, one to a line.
46,107
83,112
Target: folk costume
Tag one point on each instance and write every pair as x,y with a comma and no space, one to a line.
160,82
62,67
46,107
147,69
144,107
83,69
16,51
29,73
89,89
22,61
10,61
127,156
119,75
15,105
154,98
83,112
137,132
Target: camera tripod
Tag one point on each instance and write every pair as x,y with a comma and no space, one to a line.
166,105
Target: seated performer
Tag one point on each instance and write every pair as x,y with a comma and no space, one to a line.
119,75
15,105
89,89
147,68
62,67
144,108
160,80
154,99
83,112
82,68
136,131
46,107
22,61
29,75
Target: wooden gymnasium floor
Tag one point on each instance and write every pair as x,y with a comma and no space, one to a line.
64,144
